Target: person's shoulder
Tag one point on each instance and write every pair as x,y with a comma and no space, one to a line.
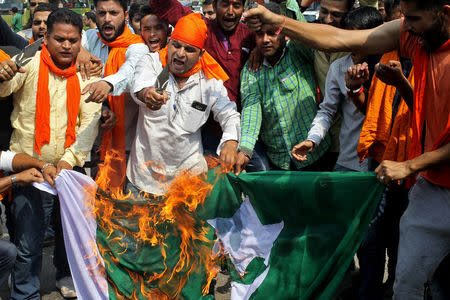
343,61
90,33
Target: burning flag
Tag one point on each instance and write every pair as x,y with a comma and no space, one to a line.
284,234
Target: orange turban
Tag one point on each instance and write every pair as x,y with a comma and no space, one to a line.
192,30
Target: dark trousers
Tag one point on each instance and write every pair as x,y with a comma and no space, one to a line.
8,254
30,213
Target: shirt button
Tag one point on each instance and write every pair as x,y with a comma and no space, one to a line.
229,52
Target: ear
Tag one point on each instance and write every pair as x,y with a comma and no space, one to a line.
126,16
446,14
45,40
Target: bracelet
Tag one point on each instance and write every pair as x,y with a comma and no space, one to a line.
45,166
146,91
356,92
13,180
281,27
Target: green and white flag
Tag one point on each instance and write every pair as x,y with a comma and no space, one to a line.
286,235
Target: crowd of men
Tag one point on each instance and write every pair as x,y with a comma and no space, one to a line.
154,88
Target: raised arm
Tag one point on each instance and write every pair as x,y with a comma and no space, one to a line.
169,10
381,39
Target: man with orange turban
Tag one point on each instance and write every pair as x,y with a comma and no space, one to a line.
168,139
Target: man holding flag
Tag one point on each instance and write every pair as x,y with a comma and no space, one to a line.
51,122
423,35
169,124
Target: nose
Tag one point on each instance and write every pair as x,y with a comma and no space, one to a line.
266,38
329,19
230,10
108,17
66,44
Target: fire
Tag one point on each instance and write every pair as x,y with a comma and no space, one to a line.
134,227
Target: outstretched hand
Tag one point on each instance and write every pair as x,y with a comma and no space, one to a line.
300,151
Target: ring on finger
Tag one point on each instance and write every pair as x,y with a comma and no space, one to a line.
1,71
382,177
5,67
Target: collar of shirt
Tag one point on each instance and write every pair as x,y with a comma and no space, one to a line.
266,62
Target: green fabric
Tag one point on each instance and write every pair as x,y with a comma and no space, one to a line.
325,218
280,102
16,22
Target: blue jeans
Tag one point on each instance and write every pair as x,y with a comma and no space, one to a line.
31,211
8,254
258,162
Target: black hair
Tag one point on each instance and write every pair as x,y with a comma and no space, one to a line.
207,2
135,10
64,16
14,9
429,4
44,7
350,4
364,17
273,7
147,10
90,15
123,3
389,6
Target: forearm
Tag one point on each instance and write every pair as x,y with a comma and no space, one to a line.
169,10
429,160
360,101
5,183
406,91
331,39
23,161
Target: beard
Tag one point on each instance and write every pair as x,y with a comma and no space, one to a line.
433,37
117,33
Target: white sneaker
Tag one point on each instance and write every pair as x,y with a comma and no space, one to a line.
65,286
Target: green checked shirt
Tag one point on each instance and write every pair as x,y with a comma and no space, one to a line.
280,102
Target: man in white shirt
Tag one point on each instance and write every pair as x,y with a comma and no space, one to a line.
168,139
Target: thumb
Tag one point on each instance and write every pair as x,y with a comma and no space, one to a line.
22,70
86,89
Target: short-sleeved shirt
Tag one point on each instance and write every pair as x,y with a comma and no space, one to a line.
436,102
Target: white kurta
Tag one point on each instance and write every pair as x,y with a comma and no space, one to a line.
168,140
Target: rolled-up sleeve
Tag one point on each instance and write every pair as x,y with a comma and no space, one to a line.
123,79
327,108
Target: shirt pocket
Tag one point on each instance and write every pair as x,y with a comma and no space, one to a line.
287,80
192,116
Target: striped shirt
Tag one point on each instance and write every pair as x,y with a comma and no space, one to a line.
280,102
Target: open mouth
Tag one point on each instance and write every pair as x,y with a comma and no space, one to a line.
178,63
154,43
229,22
108,29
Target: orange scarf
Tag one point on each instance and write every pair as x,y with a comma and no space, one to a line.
31,41
115,139
42,121
377,124
421,61
192,30
4,56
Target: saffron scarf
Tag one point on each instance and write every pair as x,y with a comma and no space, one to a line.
421,61
437,175
31,41
192,30
42,121
115,139
4,56
376,128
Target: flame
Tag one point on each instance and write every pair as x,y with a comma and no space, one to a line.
131,224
